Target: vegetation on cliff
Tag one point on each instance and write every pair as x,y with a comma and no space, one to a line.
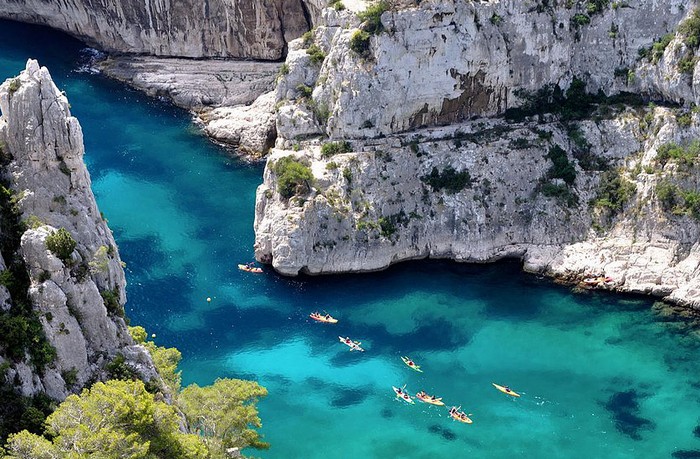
128,418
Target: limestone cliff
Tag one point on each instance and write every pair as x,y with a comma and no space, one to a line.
427,174
79,300
214,28
448,61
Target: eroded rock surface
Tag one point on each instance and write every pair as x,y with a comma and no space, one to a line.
215,28
536,188
80,299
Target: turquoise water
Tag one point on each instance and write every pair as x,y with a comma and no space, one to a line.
600,375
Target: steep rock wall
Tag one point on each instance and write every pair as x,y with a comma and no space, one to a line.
52,190
214,28
452,64
376,205
448,61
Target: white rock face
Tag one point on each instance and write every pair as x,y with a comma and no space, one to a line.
53,189
448,61
194,84
250,128
375,206
215,28
453,63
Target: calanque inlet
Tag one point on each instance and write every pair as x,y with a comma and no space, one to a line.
561,138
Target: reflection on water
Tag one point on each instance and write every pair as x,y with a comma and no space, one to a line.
598,374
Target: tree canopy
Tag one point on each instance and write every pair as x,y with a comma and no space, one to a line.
112,420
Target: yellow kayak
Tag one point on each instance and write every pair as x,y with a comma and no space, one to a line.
506,390
425,398
411,364
460,416
250,269
323,318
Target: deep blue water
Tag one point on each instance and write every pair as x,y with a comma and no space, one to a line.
600,375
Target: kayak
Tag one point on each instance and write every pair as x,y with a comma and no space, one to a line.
403,395
327,319
460,416
425,398
411,364
353,345
249,269
505,390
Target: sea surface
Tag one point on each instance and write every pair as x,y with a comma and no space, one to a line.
600,376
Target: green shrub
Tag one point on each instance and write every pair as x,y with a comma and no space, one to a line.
347,175
119,369
322,113
61,244
15,84
495,19
7,279
690,30
388,225
307,38
70,377
316,54
679,201
668,195
111,300
304,91
34,222
683,156
331,166
596,6
293,177
448,179
372,17
580,20
573,104
560,192
359,42
614,191
692,203
21,331
334,148
561,168
337,5
519,143
687,63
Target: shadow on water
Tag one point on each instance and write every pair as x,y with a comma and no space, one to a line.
686,454
624,408
444,432
348,397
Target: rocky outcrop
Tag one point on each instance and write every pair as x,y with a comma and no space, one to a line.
448,61
228,98
79,299
251,129
216,28
196,85
390,200
429,175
